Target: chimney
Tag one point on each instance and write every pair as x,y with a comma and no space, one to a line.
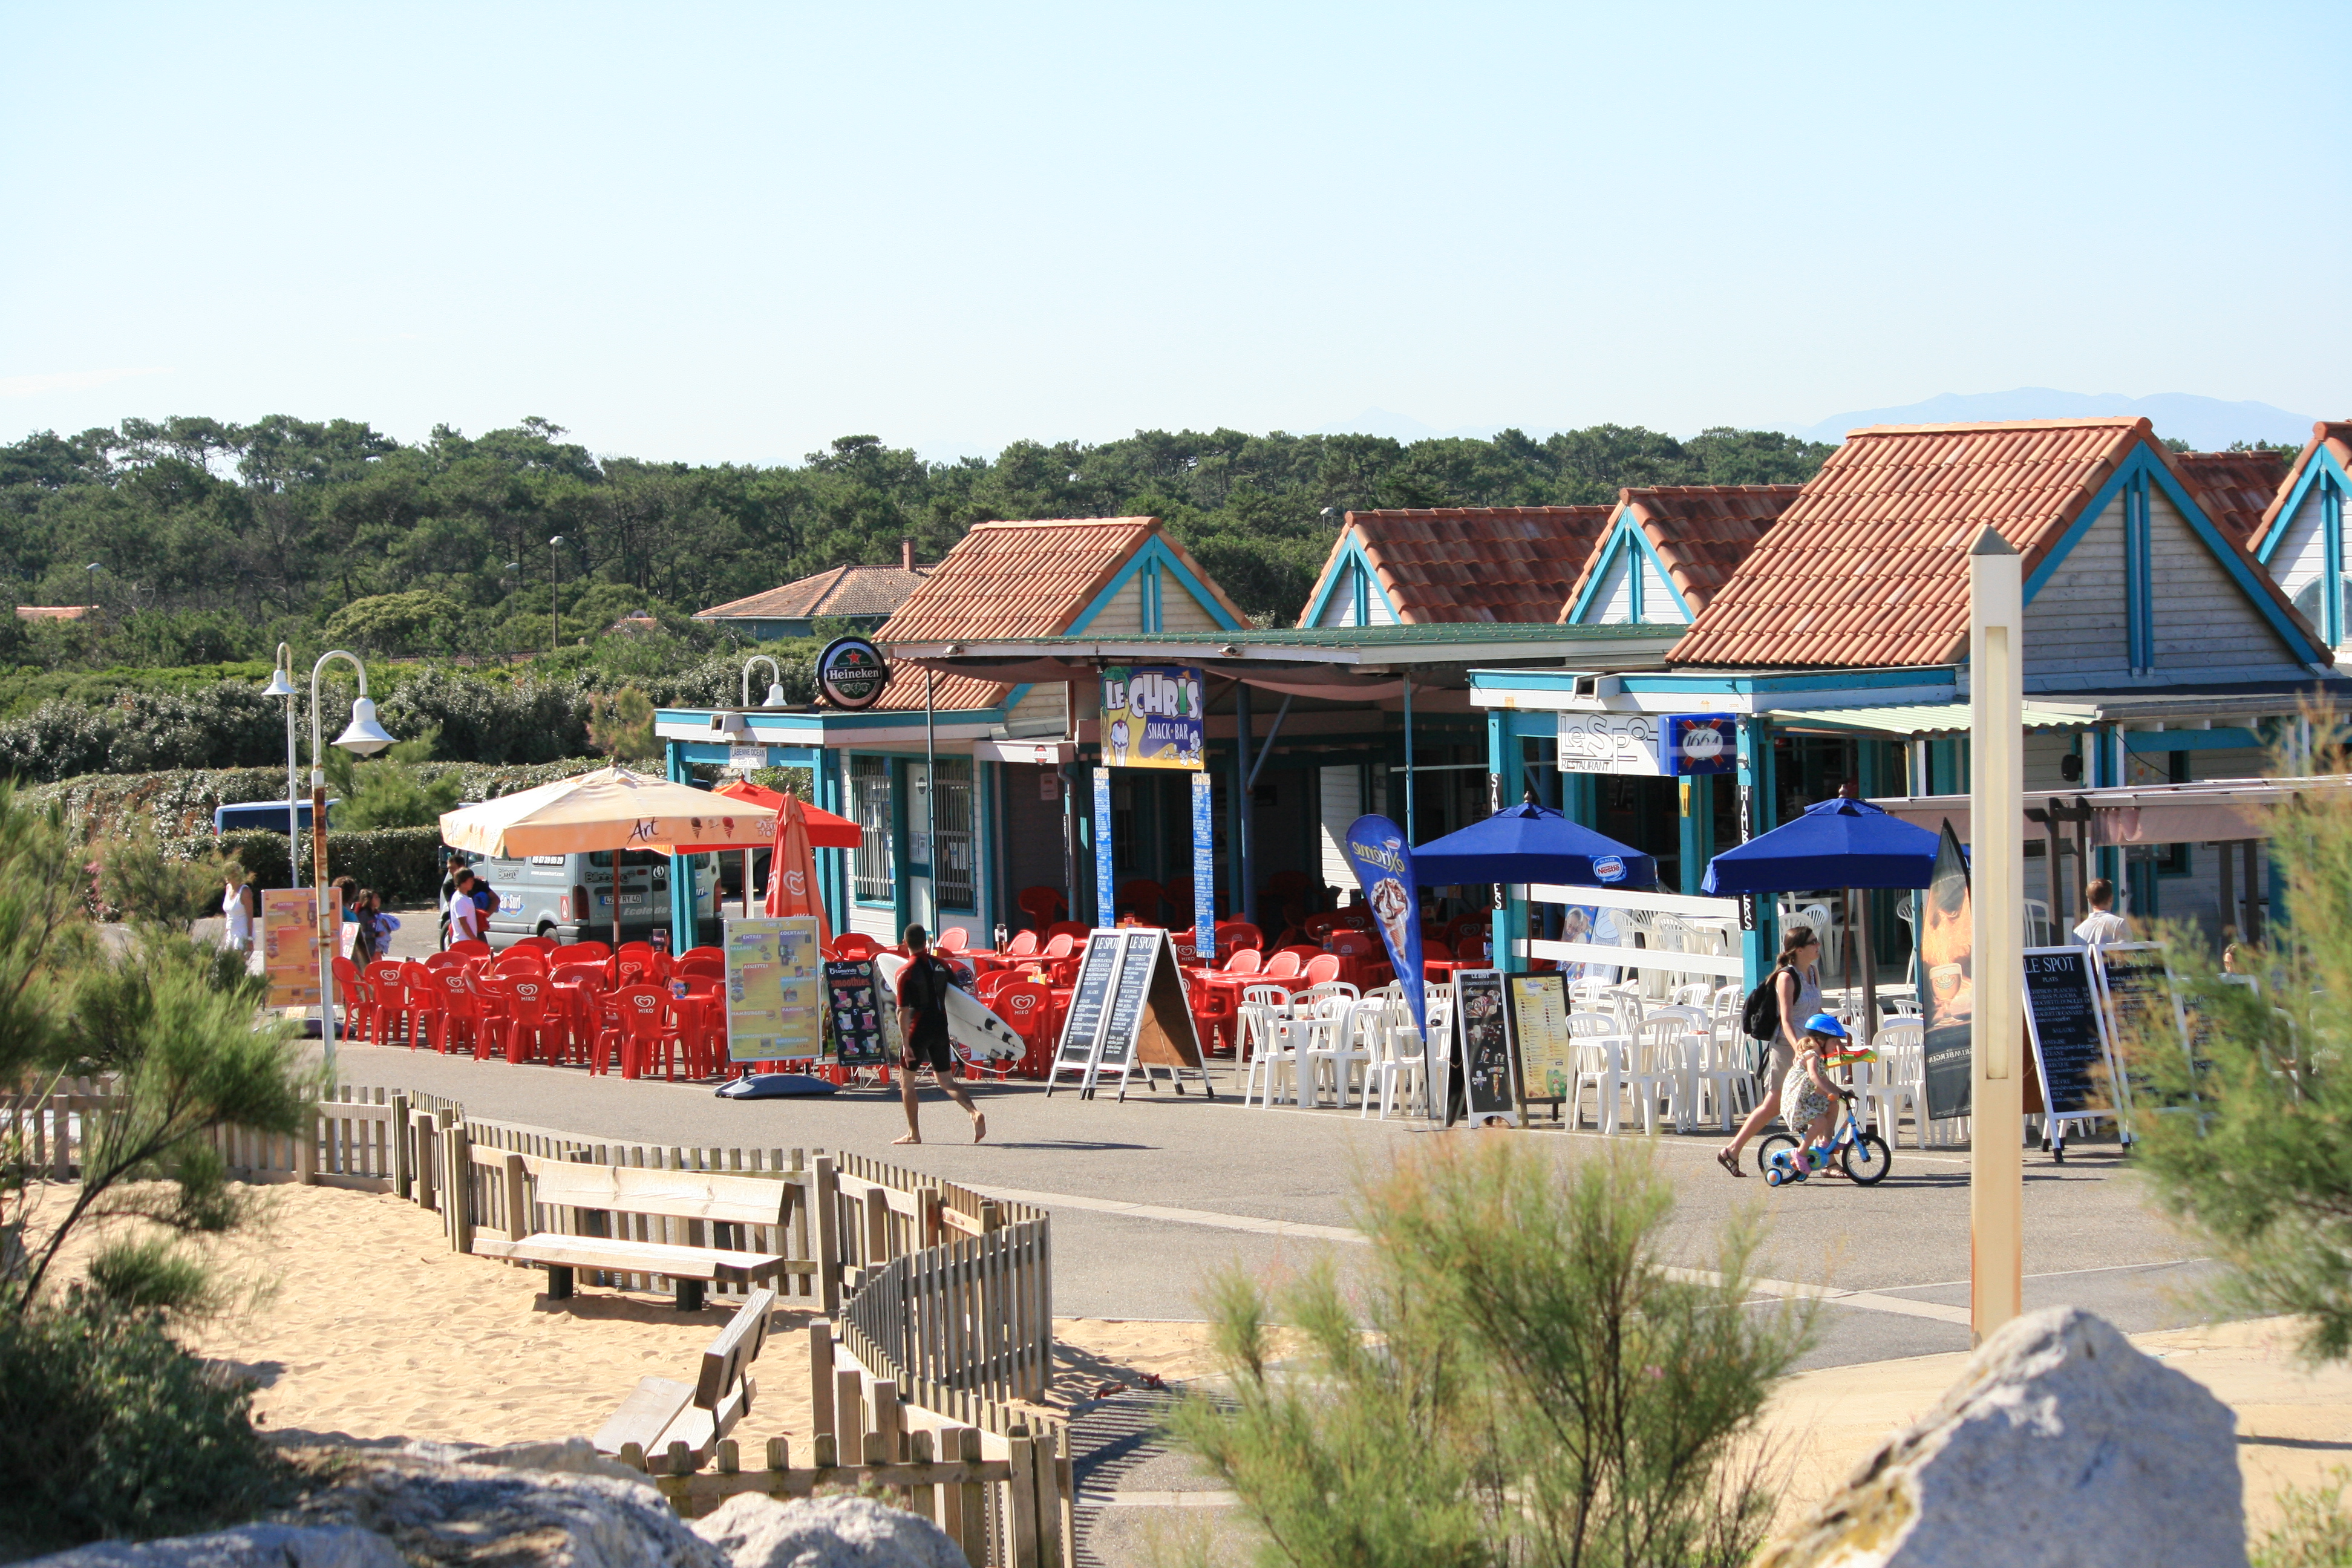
906,554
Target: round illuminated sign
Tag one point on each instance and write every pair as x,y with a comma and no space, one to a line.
851,673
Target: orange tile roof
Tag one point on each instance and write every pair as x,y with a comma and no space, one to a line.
2234,488
1015,580
1701,532
53,612
840,591
1869,567
2336,434
1445,566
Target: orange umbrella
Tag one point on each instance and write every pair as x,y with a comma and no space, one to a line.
791,869
826,831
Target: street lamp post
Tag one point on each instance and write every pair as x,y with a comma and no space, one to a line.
555,625
282,684
362,737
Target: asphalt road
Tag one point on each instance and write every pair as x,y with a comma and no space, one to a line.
1150,1195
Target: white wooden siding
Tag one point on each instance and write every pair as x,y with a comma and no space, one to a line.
1659,600
2078,628
2302,556
1378,611
2205,621
1123,615
1180,611
1044,712
2045,754
1612,605
876,921
1339,609
1341,798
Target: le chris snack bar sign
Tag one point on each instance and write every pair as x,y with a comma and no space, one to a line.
1151,716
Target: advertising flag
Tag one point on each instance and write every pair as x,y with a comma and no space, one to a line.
1383,863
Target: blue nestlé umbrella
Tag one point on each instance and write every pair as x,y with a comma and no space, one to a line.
1532,844
1839,843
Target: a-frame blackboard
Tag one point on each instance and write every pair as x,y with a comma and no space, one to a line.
1127,1015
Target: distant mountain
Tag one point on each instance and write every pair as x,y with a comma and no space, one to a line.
2207,424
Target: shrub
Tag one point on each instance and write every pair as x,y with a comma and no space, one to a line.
141,878
403,863
107,1428
2315,1528
1524,1380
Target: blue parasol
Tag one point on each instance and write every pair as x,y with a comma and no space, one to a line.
1533,844
1839,843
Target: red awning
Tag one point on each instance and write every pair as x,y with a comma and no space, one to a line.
825,830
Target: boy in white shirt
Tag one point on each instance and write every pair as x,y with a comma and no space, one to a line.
2102,925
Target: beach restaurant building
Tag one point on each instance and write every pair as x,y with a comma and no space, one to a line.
2159,651
979,776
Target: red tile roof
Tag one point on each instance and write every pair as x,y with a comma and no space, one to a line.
842,591
1450,564
2337,436
53,612
1015,580
1869,567
1701,532
2234,488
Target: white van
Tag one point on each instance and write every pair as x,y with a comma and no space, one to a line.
570,897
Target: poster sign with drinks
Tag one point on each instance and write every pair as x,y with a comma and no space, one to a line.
776,1002
1151,716
290,942
864,1019
1946,952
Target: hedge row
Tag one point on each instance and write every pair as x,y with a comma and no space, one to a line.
180,802
402,864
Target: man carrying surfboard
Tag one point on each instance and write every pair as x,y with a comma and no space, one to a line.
923,1025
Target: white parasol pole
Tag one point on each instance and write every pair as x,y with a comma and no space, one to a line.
1996,960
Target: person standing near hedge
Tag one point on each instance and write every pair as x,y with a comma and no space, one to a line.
239,915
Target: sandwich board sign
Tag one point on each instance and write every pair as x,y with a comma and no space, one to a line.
1127,1015
2135,986
1482,1033
2068,1029
1546,1057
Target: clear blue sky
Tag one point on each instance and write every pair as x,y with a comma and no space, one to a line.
714,232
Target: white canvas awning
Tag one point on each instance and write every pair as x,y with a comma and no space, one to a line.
2218,809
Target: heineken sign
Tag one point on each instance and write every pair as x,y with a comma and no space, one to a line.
851,674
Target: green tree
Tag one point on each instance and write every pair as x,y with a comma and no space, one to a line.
2256,1154
389,791
621,725
1519,1378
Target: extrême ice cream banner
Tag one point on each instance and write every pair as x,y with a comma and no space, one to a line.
1383,863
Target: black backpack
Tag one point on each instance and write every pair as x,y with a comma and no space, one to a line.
1760,1018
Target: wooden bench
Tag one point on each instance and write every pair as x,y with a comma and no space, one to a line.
660,1412
707,1195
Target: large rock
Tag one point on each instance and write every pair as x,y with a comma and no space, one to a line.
757,1531
2061,1447
248,1546
468,1514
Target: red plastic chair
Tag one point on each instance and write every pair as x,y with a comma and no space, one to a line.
954,940
395,1018
471,947
545,945
699,968
357,997
705,951
578,952
531,1016
460,1020
1023,944
1322,967
1071,929
989,984
1235,935
1042,904
521,961
635,964
1028,1009
1283,965
645,1030
1060,958
1143,897
852,945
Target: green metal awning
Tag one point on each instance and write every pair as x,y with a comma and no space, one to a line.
1922,719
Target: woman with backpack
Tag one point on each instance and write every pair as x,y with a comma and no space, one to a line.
1790,994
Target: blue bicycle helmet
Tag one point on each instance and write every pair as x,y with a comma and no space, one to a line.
1825,1024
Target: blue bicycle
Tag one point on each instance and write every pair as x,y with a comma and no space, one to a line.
1862,1156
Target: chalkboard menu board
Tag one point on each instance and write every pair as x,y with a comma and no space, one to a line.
2070,1045
1132,989
865,1015
1127,1014
2142,1009
1082,1023
1483,1025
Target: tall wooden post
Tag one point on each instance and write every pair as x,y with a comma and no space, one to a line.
1997,903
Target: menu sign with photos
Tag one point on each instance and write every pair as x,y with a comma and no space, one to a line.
775,1011
1540,1020
1482,1024
864,1017
290,942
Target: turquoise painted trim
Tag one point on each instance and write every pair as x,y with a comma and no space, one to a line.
816,730
2331,533
1662,683
2323,464
2144,466
1155,552
1611,548
1353,570
1650,553
709,752
2154,741
1503,755
2140,590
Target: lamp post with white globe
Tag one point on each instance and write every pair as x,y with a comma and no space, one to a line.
362,737
282,684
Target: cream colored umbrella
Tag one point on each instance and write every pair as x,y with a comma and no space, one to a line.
611,808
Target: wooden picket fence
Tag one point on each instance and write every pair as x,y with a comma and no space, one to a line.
927,1366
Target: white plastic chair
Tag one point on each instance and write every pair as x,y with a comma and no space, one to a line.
1663,1065
1719,1081
1323,1019
1895,1083
1600,1061
1266,1035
